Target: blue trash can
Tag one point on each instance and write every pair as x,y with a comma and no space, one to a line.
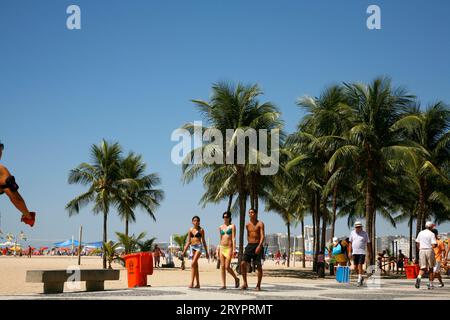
343,274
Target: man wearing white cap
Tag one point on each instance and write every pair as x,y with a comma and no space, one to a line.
426,241
358,242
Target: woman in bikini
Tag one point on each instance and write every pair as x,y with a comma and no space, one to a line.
226,248
196,240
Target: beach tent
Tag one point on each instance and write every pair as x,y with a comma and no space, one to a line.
67,243
94,245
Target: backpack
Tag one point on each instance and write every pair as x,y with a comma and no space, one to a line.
340,248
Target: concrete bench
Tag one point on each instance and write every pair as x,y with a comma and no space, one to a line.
54,279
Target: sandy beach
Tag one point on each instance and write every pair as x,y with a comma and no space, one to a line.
13,272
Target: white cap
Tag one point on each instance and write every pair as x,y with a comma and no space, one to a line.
335,239
429,224
358,224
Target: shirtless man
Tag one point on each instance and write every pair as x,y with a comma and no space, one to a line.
254,249
9,186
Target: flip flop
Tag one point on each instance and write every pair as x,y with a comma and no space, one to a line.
29,221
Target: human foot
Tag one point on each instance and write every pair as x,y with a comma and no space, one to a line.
258,288
244,287
222,288
237,282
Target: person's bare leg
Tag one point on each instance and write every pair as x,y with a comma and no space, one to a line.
197,273
223,271
260,275
244,274
230,271
193,266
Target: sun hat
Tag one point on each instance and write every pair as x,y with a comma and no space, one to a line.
429,224
358,224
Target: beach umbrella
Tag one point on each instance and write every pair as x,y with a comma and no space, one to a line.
67,243
94,245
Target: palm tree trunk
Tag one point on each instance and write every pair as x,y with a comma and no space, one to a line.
333,225
230,202
242,209
317,235
421,212
324,225
105,236
126,226
303,243
410,237
369,209
288,225
313,211
374,239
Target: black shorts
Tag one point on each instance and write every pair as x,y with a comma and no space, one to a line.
251,255
359,259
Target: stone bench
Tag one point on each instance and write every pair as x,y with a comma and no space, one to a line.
54,279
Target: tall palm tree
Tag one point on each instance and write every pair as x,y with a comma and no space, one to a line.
430,130
232,107
372,142
101,176
139,190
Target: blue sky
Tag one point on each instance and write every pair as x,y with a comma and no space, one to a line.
128,75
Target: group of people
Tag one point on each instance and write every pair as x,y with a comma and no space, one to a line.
226,248
432,253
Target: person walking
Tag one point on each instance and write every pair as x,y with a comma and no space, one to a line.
358,242
227,247
195,240
426,241
439,256
254,249
157,255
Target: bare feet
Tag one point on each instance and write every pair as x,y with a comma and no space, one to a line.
197,286
244,287
258,288
237,282
222,288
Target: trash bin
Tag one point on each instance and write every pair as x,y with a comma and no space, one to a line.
138,265
343,274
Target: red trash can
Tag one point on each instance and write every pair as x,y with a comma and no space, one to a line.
138,265
147,263
135,277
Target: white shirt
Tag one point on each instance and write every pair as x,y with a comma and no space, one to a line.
426,239
359,241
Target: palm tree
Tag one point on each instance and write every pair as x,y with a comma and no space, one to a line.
180,240
430,130
102,177
139,190
372,143
233,107
130,243
146,245
109,249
